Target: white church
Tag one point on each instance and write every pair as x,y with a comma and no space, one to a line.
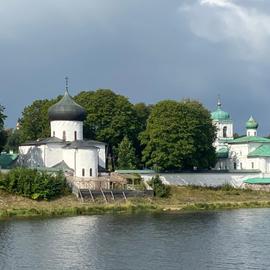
66,149
247,153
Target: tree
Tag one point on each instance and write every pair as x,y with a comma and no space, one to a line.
3,134
14,139
160,189
126,155
110,117
179,135
34,123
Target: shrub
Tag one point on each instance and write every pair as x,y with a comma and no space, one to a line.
34,184
160,190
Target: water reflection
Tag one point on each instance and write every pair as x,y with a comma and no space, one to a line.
236,239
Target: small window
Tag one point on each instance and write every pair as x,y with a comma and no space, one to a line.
234,165
241,166
90,172
64,136
225,132
53,133
252,165
83,172
75,135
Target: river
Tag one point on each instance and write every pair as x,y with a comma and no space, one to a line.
236,239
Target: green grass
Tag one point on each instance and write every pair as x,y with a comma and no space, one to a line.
181,199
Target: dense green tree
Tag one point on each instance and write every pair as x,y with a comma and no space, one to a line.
126,157
179,135
34,123
14,139
3,133
143,112
110,117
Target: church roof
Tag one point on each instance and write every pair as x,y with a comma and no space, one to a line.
62,166
66,110
219,114
258,181
249,139
261,151
7,160
44,141
80,145
222,152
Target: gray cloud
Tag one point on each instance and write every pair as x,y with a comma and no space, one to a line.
147,50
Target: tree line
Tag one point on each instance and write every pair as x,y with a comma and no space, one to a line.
170,135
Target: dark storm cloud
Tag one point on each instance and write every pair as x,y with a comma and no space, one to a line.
146,50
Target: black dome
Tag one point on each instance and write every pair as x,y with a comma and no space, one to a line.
67,110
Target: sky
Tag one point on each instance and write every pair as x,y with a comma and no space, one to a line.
147,50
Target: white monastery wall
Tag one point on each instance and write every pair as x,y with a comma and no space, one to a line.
58,128
204,179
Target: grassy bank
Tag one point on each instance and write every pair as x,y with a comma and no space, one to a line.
181,199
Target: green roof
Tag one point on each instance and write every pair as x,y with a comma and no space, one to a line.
251,123
247,139
261,151
7,160
263,181
222,152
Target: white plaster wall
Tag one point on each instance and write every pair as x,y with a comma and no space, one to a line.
251,132
69,127
31,156
78,159
101,154
69,157
204,179
87,159
221,125
53,155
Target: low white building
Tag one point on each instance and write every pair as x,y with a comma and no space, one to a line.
66,149
247,153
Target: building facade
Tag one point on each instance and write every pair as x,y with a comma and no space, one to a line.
247,153
66,149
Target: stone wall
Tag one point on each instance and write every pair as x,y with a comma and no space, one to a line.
213,179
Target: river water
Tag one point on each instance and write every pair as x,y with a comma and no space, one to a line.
236,239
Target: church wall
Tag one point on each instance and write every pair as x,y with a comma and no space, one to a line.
69,157
221,125
31,156
87,159
69,127
53,155
101,154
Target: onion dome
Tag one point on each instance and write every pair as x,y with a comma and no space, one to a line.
251,123
66,110
220,115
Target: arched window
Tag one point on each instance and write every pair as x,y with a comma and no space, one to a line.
234,165
90,172
83,172
64,136
225,132
75,135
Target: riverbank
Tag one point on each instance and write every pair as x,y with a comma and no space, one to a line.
181,199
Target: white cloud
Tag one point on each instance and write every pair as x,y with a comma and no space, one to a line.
244,28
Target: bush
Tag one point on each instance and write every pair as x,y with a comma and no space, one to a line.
160,190
33,183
